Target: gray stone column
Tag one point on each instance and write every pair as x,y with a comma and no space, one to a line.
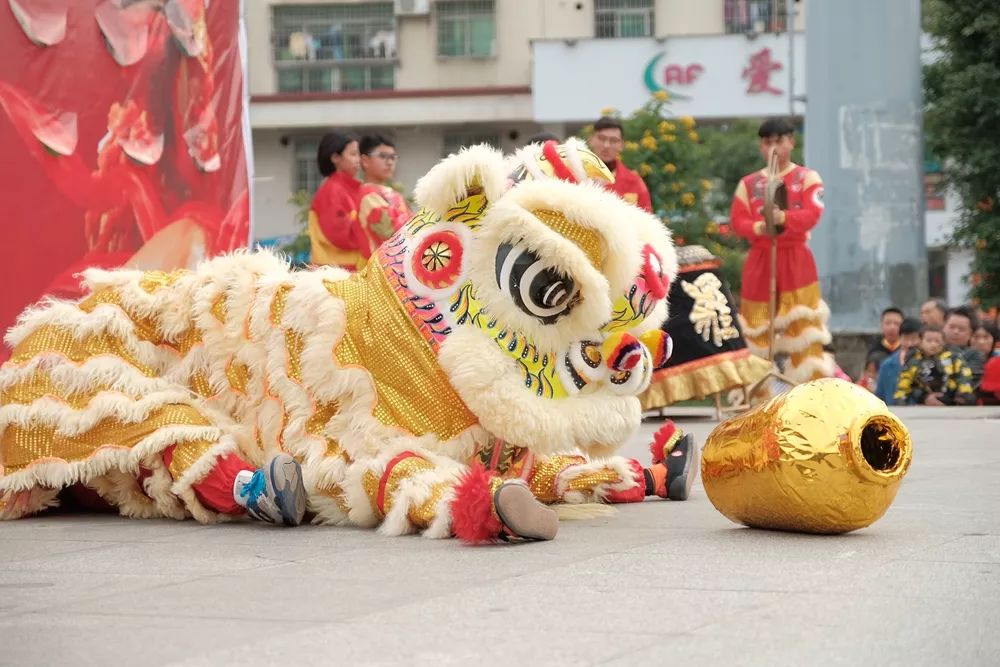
863,126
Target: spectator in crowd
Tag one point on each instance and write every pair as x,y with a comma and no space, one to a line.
892,317
869,375
981,350
382,210
334,231
933,311
889,370
607,142
831,360
934,375
959,324
958,327
985,339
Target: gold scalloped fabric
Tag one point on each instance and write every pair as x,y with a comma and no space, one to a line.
412,391
703,377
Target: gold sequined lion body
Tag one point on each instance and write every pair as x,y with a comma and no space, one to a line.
501,326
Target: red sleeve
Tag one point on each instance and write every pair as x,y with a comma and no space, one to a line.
401,212
741,217
337,217
644,201
803,219
630,187
375,215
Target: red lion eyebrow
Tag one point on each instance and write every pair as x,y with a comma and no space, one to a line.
558,166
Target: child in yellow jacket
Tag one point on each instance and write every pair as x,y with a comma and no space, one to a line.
935,375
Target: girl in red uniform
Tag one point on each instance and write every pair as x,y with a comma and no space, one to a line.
334,228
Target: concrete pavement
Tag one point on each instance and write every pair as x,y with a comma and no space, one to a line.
659,583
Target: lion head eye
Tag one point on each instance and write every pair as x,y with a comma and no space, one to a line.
537,288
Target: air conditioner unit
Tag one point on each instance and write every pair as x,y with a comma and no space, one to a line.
412,7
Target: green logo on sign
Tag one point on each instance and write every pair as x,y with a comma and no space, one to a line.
671,74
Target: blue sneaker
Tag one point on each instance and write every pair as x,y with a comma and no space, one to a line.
274,493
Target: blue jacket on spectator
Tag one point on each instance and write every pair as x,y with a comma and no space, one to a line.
888,377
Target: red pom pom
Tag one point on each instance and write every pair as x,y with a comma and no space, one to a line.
472,518
660,438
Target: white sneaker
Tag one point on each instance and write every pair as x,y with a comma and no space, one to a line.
274,493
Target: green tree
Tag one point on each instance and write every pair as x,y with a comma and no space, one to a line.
962,114
298,248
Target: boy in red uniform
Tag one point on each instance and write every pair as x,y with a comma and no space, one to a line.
607,142
801,315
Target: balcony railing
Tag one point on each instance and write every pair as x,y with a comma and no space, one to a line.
334,47
756,16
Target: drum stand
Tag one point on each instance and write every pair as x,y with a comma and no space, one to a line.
721,409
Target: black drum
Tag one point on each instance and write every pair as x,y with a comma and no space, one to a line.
710,354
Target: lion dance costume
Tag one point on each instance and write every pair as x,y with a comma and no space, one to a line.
801,314
487,357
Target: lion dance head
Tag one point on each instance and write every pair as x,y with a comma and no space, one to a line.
540,290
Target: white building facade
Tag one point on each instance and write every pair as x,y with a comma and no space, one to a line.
435,75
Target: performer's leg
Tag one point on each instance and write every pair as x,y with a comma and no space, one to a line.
804,316
755,327
806,359
273,493
215,489
754,296
415,490
675,463
573,479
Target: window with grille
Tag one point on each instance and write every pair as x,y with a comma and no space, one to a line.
623,18
306,176
755,16
334,47
456,141
466,28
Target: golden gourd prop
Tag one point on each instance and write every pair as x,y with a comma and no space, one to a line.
825,457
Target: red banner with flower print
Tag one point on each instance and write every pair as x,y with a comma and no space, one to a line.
123,140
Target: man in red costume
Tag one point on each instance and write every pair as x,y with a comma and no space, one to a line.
801,313
607,142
